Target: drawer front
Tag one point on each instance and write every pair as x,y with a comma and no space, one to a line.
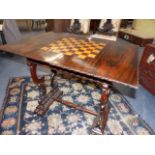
147,72
135,39
148,83
148,59
127,37
131,38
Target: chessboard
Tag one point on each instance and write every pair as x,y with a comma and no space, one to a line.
75,47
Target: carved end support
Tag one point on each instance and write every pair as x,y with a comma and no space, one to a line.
33,70
53,84
104,109
105,96
100,122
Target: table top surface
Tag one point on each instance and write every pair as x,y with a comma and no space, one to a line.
113,61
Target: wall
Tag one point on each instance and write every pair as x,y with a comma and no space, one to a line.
145,26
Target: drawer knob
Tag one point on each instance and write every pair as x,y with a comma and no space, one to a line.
150,59
126,37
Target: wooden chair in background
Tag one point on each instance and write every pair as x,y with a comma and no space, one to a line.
2,34
38,23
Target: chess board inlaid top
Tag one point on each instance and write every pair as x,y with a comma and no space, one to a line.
71,46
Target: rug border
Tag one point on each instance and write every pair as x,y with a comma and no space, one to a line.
2,108
4,100
129,104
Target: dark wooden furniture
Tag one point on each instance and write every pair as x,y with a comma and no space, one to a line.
94,25
57,25
50,25
126,23
133,36
117,62
147,68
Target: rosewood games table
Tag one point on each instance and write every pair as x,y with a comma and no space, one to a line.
104,62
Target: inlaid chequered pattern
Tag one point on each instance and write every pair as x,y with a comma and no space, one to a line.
71,46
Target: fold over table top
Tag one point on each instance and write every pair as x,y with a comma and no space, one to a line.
113,61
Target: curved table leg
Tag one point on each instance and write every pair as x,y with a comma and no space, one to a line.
33,71
37,80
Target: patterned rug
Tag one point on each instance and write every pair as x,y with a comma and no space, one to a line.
22,98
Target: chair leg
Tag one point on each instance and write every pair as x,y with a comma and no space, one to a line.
37,25
3,38
4,42
32,24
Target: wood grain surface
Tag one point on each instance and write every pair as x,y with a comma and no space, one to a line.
116,62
